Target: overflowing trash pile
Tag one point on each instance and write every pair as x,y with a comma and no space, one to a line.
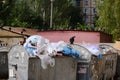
44,49
99,49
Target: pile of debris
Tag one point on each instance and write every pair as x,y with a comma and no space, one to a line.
44,49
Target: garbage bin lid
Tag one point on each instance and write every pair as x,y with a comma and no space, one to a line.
4,49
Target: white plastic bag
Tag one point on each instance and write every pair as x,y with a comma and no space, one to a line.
46,60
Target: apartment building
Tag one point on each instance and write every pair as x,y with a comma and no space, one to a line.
88,8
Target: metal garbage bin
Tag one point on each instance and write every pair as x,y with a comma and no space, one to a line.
83,65
110,60
117,46
4,63
64,69
117,75
83,70
94,68
18,63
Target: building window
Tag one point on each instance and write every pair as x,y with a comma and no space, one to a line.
86,10
94,10
86,2
77,3
94,2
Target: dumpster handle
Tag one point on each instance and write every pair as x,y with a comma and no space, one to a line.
15,66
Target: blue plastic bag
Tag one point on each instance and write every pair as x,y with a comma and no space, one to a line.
30,49
70,51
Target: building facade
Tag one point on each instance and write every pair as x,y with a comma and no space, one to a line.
89,12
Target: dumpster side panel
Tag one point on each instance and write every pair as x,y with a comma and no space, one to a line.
3,65
104,68
118,68
18,63
64,69
110,66
97,67
83,71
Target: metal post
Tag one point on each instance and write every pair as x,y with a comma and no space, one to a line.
43,15
51,14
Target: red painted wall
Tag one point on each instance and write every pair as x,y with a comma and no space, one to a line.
54,36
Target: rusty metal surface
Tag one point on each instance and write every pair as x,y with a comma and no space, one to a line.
64,69
96,68
104,68
4,33
117,76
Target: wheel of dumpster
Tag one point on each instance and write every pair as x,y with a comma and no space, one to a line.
84,52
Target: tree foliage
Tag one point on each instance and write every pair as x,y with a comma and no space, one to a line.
36,14
109,17
5,9
64,13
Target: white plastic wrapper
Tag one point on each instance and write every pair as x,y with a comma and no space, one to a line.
44,49
46,60
94,49
39,40
58,46
48,50
35,39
